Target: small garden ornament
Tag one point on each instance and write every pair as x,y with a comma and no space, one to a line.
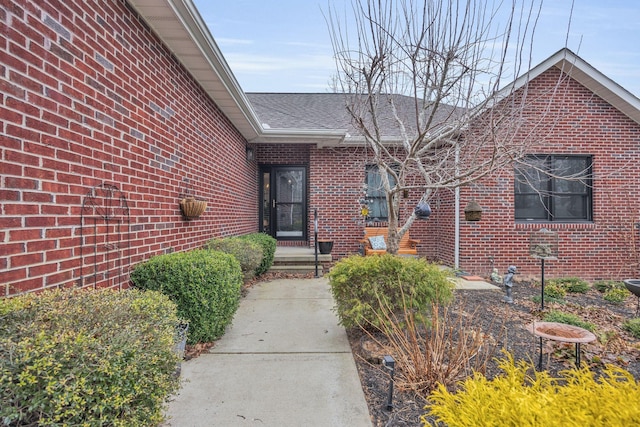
508,283
496,278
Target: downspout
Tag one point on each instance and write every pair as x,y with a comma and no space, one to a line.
456,232
456,236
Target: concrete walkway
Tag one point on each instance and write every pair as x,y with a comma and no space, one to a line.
283,362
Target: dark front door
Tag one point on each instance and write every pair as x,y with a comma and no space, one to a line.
283,209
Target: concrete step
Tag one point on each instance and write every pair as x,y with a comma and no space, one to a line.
297,269
298,260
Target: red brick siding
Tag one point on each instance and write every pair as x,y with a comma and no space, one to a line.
336,184
89,95
607,247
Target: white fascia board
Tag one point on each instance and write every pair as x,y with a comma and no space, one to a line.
585,74
200,34
181,28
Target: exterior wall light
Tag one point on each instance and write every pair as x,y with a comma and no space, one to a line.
251,154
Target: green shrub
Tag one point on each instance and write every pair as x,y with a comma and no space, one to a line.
571,284
204,284
632,326
616,295
247,252
553,290
523,397
604,285
547,299
360,285
568,319
268,244
87,357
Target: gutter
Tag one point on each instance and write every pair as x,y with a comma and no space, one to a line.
320,137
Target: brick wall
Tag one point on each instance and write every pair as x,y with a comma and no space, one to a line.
576,122
89,96
579,122
336,184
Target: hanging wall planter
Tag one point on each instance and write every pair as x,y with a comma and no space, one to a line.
192,208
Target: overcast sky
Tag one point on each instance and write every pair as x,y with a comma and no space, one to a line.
284,45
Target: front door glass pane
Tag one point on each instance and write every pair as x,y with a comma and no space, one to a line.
289,197
266,203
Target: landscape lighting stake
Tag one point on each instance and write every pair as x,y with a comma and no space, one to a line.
390,364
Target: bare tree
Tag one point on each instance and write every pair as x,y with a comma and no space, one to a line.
435,74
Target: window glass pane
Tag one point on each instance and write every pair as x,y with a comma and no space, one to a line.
576,168
374,184
378,209
570,208
531,180
542,194
530,207
376,194
570,186
290,186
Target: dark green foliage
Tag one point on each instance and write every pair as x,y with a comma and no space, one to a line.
268,244
571,284
87,358
204,284
361,285
633,327
568,319
247,252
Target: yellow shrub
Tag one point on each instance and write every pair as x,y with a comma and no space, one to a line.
518,398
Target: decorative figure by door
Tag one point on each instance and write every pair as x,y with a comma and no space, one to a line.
105,240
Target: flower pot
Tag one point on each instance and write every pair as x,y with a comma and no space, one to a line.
192,208
325,246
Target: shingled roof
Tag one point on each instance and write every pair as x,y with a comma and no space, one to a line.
328,111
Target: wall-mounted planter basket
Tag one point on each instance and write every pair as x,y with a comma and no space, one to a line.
192,208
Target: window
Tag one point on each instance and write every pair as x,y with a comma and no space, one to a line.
376,195
554,188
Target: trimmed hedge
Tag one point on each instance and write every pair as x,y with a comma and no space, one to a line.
360,285
204,284
268,244
87,357
247,252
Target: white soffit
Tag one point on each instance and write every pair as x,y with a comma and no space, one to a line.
179,25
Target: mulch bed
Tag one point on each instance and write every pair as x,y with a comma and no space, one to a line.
505,323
